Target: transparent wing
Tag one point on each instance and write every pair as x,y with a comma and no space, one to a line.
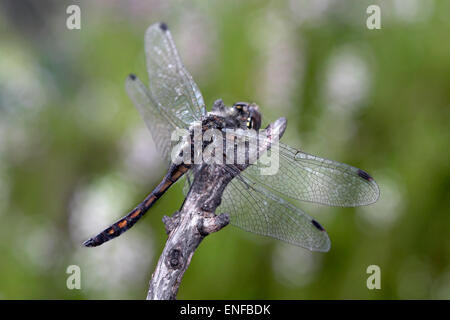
255,209
157,121
309,178
171,85
189,179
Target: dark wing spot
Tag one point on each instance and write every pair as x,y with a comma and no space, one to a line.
132,76
163,26
364,175
317,225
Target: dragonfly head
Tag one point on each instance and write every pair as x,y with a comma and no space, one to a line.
249,112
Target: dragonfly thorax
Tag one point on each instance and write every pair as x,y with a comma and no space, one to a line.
222,136
242,115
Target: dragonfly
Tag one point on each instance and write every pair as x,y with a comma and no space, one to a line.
257,203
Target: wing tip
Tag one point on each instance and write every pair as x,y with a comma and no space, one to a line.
163,26
375,188
325,248
326,243
377,192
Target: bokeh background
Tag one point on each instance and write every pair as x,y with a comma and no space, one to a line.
75,154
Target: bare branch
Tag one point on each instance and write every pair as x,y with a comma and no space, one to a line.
187,228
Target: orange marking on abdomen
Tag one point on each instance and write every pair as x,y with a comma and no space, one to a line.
135,214
149,201
111,231
165,186
177,174
122,223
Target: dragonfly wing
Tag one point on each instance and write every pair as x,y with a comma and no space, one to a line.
170,83
157,121
255,209
310,178
188,182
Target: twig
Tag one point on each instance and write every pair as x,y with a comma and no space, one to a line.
187,228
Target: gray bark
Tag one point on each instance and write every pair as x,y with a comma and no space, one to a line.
187,228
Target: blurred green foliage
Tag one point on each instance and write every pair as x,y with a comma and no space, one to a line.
376,99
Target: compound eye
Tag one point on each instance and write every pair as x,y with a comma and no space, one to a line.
240,105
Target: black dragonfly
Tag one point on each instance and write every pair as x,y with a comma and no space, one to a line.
254,202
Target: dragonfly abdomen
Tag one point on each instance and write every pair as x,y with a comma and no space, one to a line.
125,223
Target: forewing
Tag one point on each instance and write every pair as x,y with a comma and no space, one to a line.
158,123
256,209
310,178
170,83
